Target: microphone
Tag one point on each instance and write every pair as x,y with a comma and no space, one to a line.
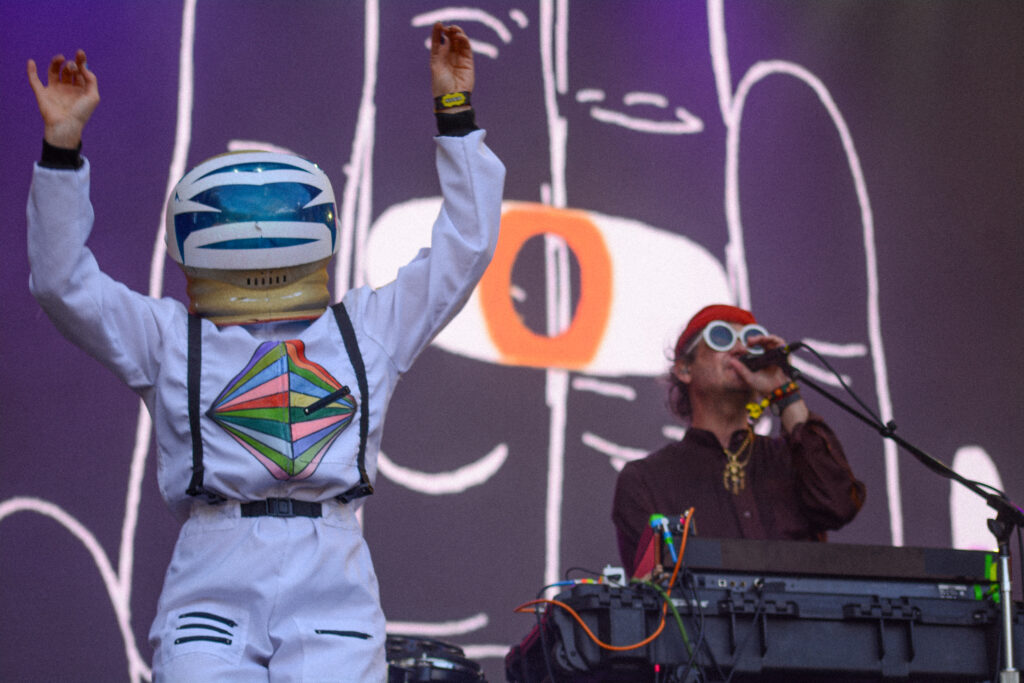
779,356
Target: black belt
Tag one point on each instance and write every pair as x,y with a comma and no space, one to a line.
281,507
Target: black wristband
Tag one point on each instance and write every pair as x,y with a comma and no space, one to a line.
778,406
452,100
456,125
61,157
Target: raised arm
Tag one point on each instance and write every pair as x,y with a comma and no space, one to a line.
67,100
451,64
431,289
119,327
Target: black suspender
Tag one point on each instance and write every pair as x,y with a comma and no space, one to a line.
195,359
348,334
195,365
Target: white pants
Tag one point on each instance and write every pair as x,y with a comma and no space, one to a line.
269,599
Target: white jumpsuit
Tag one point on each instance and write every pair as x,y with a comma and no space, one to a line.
265,598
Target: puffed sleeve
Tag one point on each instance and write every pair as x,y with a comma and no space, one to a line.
830,494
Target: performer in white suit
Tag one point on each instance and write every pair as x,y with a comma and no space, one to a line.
267,403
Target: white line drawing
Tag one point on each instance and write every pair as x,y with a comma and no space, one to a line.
731,104
359,189
638,303
441,629
450,15
623,391
352,267
618,455
673,432
246,145
119,585
391,244
357,196
968,512
519,17
651,98
686,124
816,373
444,483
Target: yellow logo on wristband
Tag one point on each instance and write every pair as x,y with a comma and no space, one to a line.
453,99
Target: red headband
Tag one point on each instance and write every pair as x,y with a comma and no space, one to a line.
729,314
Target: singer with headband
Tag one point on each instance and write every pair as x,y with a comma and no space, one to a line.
727,373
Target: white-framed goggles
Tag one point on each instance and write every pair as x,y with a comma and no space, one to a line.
722,336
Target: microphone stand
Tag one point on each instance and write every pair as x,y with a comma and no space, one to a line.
1008,515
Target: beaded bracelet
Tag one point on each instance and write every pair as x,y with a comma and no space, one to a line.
778,406
782,392
777,400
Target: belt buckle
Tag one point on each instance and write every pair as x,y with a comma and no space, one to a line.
280,507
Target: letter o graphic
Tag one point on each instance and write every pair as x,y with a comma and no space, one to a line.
519,345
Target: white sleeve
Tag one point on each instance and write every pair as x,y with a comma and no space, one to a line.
117,326
406,314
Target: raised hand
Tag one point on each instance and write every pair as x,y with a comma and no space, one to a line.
67,100
767,379
451,62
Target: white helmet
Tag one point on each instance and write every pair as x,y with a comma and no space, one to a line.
252,210
253,232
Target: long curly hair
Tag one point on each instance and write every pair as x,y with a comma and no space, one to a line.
679,391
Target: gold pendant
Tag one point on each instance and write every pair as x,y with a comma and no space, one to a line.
734,478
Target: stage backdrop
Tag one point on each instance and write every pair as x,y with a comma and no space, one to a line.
850,170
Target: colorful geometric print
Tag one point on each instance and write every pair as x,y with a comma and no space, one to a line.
262,408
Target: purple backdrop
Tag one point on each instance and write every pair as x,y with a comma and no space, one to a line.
869,153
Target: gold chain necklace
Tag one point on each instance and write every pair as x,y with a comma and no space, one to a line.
734,476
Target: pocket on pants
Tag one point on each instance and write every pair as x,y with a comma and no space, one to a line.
340,650
203,630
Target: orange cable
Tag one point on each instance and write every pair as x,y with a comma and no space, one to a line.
664,605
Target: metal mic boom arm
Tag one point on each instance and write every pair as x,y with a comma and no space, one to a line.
1008,515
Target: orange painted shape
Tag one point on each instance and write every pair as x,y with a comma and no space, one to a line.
518,344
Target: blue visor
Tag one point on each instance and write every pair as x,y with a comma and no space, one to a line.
260,203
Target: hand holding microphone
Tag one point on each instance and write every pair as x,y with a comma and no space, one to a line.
778,356
784,395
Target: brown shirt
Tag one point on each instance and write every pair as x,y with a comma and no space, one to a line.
798,486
